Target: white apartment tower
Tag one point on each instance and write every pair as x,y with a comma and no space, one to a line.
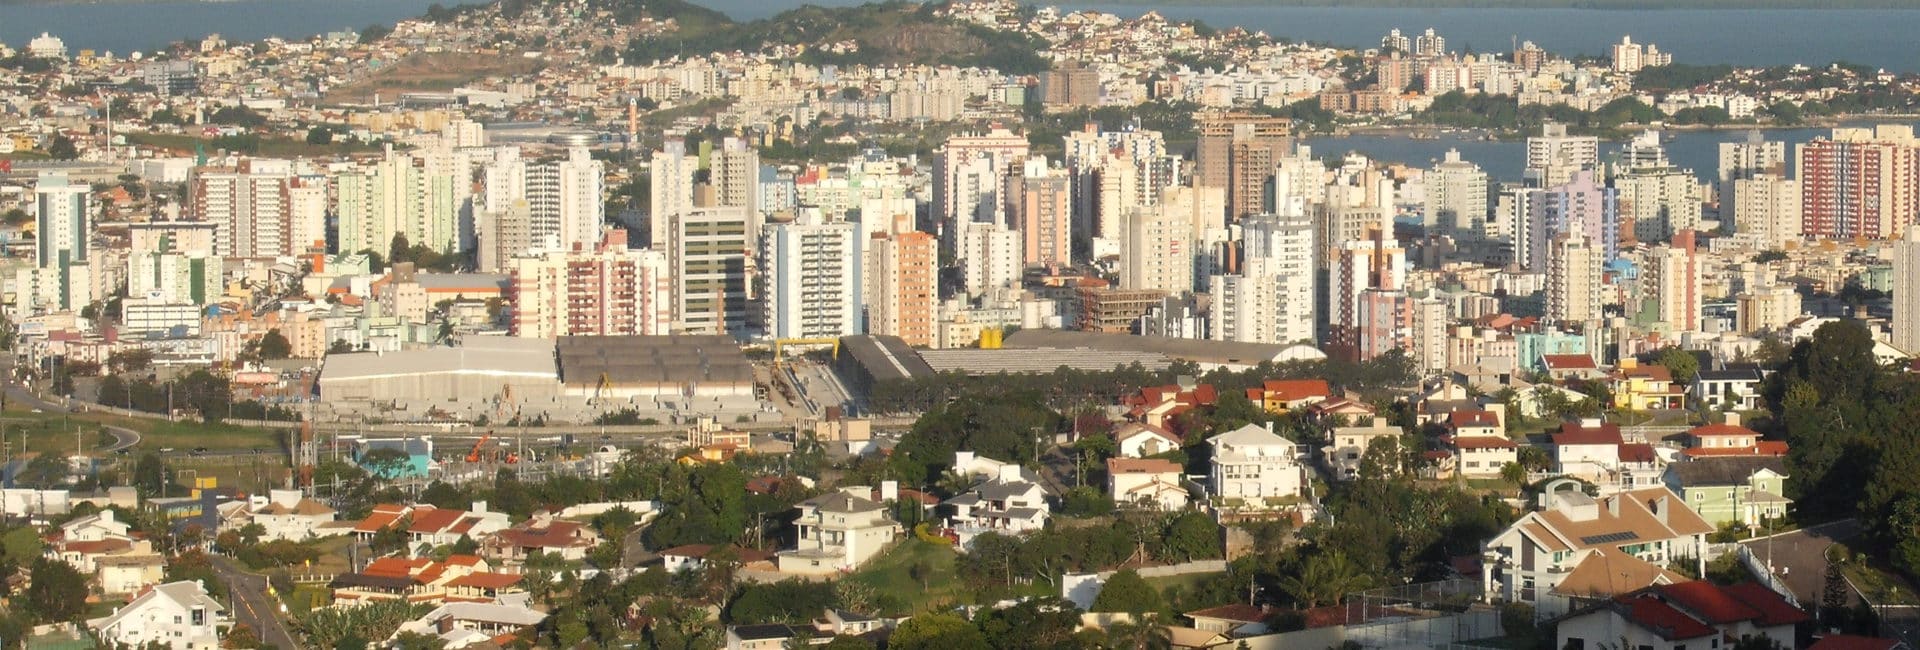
1906,292
1271,299
811,284
1573,280
990,256
1767,208
1457,197
1553,156
670,188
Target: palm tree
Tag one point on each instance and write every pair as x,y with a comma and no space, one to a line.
1324,579
1144,634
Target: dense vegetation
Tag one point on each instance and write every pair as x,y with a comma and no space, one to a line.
888,33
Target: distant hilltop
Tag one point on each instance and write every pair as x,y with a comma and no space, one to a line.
1635,5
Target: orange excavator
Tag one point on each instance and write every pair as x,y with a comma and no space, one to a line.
474,456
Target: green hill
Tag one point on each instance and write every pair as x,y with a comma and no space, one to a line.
887,33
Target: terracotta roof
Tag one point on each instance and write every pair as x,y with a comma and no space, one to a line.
1573,433
1568,361
1721,430
557,534
1288,390
97,547
1481,418
1608,571
1637,453
1483,442
1635,519
383,516
1770,448
1774,609
1235,612
485,580
434,520
1649,611
1654,372
1127,430
1141,466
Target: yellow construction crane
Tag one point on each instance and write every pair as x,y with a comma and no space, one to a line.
779,348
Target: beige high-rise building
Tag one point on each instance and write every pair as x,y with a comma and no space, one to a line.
1670,279
1045,215
1374,263
604,290
671,188
1573,280
1456,197
1661,201
710,256
1553,156
1906,292
1766,207
1158,250
901,281
1237,152
1766,308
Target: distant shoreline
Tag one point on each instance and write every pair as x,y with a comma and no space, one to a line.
1588,5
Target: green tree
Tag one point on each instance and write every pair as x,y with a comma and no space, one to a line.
1191,536
58,593
150,475
62,148
1323,580
1682,364
1127,592
320,135
274,345
937,632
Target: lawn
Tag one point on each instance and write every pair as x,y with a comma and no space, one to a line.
920,574
1186,583
1877,583
54,432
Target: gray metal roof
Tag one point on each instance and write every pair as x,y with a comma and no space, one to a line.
1197,350
477,355
652,359
886,358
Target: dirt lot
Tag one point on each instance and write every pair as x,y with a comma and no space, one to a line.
431,72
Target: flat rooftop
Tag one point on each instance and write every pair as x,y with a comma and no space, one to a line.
673,358
498,356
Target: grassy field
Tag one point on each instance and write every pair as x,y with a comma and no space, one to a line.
894,574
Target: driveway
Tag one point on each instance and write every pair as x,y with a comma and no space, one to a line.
1799,557
252,605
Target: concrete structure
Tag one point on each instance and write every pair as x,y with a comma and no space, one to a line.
1350,445
708,253
1573,280
1859,183
1553,156
1236,153
901,292
1766,207
481,367
1906,292
1044,213
1147,482
1271,299
671,188
1364,297
1456,201
683,366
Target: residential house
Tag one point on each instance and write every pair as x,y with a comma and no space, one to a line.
1694,615
773,636
838,532
1730,439
1588,450
1158,405
1743,490
1254,468
543,534
1481,456
104,525
1232,621
1733,387
1350,445
434,527
1576,549
1149,482
1475,423
1137,440
1283,395
1007,503
1338,411
1852,642
1645,388
83,555
1562,367
177,615
128,573
693,557
288,515
460,625
420,580
839,622
383,516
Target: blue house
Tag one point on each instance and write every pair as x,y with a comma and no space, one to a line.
419,451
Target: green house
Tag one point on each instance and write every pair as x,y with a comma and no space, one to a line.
1742,489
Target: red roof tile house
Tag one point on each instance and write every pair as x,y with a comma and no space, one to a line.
1282,395
1730,439
1575,549
1695,615
430,526
1480,456
1156,405
542,534
461,578
1570,366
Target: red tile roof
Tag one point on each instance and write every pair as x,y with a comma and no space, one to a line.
1568,361
485,580
1235,612
434,520
1288,390
1459,419
1141,466
1774,610
1760,448
1649,611
1572,433
1709,602
1637,453
1483,442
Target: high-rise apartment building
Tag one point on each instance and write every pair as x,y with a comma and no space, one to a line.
603,290
710,257
1113,172
1765,207
1769,308
1365,294
564,204
1045,213
1573,280
171,277
1553,156
1457,197
1752,157
1271,299
902,286
734,172
670,187
1670,280
63,220
1237,152
989,257
1581,206
1906,292
1860,183
1660,201
810,283
969,175
1158,251
250,206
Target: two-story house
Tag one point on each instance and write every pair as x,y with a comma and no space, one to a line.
1695,615
1733,387
1350,445
1575,549
1138,440
1644,388
1730,439
1157,405
1007,503
1147,482
177,615
1481,456
433,527
542,534
1253,468
838,532
1588,449
285,514
1744,490
1283,395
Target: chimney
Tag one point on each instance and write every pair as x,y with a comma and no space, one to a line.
889,490
961,459
1659,506
1733,419
479,507
1613,506
1269,426
1379,422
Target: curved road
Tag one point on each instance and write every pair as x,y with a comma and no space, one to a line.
123,438
252,605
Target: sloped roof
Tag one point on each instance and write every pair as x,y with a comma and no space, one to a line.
1852,642
1724,470
1607,571
1141,466
1575,433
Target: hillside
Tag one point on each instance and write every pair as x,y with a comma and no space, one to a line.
1622,5
889,33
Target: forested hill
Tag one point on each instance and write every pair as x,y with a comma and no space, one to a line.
883,33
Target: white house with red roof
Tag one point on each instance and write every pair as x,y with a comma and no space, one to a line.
430,526
1156,405
541,534
1694,615
1150,482
1481,456
1730,439
1571,366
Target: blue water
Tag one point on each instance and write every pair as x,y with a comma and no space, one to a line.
1881,38
1696,150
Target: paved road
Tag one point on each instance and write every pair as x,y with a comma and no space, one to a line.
1800,557
123,438
252,605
